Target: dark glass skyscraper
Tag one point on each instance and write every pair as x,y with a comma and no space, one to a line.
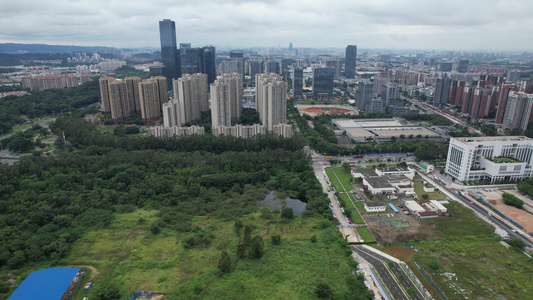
349,66
297,82
209,66
169,52
323,82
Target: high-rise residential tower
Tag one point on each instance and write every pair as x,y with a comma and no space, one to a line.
170,54
297,82
103,82
442,91
190,99
153,94
271,100
364,94
349,65
226,99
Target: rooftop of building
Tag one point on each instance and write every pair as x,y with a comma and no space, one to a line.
467,140
379,182
359,132
366,172
366,123
397,132
394,169
374,204
504,160
47,284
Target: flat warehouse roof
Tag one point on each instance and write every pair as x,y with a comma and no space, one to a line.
358,132
47,284
363,123
397,132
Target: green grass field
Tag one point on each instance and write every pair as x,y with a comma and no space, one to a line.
129,255
419,190
365,234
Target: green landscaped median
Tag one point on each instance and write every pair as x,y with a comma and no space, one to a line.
355,216
366,235
336,184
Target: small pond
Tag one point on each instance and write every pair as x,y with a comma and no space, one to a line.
270,201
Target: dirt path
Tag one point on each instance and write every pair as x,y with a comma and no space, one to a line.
94,271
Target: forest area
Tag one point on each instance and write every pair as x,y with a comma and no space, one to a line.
47,204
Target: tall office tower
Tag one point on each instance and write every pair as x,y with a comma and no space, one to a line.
290,46
456,92
445,67
157,71
256,67
191,59
103,82
226,99
442,91
170,54
518,111
118,100
209,65
132,92
363,95
505,89
323,82
239,56
462,66
273,66
297,82
153,94
431,62
336,65
271,100
513,76
349,65
389,92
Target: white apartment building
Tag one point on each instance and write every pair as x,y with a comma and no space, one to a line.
271,100
495,158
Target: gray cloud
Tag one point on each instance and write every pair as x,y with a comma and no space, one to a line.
452,24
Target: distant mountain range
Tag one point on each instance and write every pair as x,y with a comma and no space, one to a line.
43,48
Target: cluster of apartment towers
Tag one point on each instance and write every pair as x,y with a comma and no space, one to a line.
191,95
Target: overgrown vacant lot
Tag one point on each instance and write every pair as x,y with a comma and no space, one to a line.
469,258
130,255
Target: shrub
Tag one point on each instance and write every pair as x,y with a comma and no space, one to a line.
287,213
512,200
275,239
433,265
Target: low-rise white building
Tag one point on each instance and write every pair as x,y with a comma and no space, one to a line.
495,158
378,185
414,207
375,207
407,172
439,206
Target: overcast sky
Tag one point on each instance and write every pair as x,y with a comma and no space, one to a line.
402,24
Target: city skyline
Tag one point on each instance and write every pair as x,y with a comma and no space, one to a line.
452,25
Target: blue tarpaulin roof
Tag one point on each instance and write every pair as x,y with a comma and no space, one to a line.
47,284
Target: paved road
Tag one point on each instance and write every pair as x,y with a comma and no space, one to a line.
387,278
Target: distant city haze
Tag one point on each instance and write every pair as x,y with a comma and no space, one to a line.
394,24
